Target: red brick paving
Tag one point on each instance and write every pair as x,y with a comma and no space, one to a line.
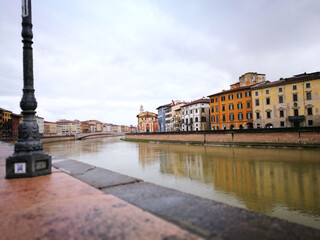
58,206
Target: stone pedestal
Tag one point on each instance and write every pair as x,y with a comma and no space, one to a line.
28,165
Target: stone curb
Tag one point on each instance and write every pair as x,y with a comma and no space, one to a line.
203,217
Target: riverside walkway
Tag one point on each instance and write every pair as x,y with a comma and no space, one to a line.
81,201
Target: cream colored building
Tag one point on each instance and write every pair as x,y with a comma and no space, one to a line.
289,102
50,128
171,117
68,127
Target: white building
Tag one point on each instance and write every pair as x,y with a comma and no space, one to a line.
195,116
40,122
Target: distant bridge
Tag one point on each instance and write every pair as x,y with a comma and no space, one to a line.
86,135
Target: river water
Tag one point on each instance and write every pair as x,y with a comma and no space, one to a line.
278,182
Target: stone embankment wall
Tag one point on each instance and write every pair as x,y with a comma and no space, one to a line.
302,136
47,139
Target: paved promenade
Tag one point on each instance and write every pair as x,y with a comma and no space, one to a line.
59,206
81,201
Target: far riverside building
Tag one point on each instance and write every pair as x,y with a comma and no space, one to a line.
195,115
232,109
50,128
5,123
161,116
68,127
147,122
171,119
288,102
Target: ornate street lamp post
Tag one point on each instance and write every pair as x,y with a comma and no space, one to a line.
28,159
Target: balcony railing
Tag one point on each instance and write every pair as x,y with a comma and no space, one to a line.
299,118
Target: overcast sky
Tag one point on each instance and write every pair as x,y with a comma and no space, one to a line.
102,59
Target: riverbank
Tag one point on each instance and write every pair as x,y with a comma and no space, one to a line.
291,137
108,216
61,138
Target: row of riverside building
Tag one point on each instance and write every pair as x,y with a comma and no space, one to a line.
252,102
10,121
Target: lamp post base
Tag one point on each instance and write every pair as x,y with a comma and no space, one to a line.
28,165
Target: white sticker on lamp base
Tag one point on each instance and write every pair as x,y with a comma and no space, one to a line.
19,168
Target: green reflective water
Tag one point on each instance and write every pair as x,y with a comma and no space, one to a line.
277,182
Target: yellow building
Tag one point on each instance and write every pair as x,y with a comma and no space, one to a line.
5,123
289,102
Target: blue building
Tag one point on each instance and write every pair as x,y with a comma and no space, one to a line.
161,117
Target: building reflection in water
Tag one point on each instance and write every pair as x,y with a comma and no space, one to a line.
259,178
278,182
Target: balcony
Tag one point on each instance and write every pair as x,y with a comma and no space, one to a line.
299,118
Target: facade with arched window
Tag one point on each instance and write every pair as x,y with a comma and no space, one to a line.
289,102
147,122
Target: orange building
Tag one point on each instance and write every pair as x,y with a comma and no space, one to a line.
232,109
147,122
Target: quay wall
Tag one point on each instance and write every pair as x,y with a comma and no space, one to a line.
301,136
48,139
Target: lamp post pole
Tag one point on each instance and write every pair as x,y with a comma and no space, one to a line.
28,159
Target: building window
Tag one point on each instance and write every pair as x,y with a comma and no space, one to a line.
308,96
308,85
217,118
186,112
239,106
240,116
196,119
191,111
230,97
268,101
294,87
216,99
267,91
257,102
282,124
295,97
223,118
182,121
196,110
182,112
212,100
309,111
280,99
212,109
248,104
249,115
187,121
280,89
212,119
296,112
223,108
248,94
191,120
281,113
269,114
217,109
223,98
239,95
203,119
231,117
202,110
231,107
256,93
310,122
257,115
